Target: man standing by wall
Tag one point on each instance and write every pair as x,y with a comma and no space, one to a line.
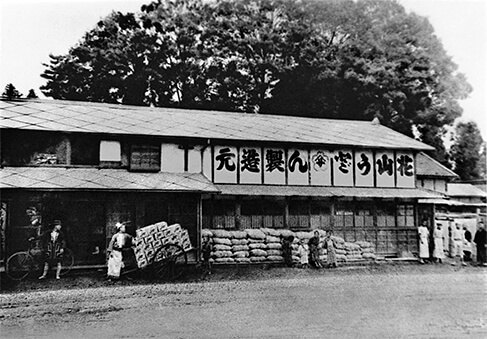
480,240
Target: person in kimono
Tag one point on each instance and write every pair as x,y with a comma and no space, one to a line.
314,250
438,252
287,250
206,249
53,244
457,235
423,234
467,244
120,240
303,255
480,239
331,257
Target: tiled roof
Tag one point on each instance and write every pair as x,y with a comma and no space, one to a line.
327,191
465,190
426,166
71,116
59,178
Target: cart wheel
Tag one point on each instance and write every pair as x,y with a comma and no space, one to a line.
171,262
67,261
19,265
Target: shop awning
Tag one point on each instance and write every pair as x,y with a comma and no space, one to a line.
442,202
321,191
60,178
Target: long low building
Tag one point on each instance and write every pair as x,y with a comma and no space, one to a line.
91,165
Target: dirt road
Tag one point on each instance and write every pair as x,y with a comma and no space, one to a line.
408,302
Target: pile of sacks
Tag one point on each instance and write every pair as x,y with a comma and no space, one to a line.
265,245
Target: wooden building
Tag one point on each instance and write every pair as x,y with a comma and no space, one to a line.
92,165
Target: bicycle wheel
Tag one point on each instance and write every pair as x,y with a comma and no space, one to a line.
67,262
19,265
171,262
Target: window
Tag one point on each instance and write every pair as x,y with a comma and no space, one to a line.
344,214
145,157
386,215
320,214
364,215
299,213
405,215
84,150
33,148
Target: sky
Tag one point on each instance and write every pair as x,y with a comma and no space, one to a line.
30,30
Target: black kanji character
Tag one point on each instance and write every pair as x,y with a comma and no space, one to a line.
274,160
364,164
345,160
294,158
225,159
405,165
250,160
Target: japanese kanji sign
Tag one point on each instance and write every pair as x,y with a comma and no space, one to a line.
364,168
225,164
405,170
250,165
297,166
274,166
384,168
343,168
320,167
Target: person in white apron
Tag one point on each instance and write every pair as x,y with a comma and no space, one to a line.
438,252
118,242
423,234
457,235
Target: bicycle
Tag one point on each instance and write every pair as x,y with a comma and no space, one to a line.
21,264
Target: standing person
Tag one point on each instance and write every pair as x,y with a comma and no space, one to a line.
206,249
438,252
314,250
53,244
303,255
480,240
423,234
467,244
457,235
331,256
119,241
287,250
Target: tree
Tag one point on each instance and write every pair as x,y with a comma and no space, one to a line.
341,59
11,92
466,151
32,94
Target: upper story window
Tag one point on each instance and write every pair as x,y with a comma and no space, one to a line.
145,157
24,148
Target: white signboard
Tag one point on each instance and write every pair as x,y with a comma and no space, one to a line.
384,168
405,169
364,169
274,166
343,168
225,164
320,167
298,167
250,165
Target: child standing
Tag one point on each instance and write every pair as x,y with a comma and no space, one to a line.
303,255
331,257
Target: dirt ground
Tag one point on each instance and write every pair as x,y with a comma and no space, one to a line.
373,301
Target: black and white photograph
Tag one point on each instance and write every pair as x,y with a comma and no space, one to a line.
243,169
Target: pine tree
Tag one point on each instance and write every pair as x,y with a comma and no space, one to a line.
11,92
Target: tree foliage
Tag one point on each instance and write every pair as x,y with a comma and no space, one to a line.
32,94
11,92
340,59
466,151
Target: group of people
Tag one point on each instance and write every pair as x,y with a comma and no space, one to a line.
307,257
460,245
311,257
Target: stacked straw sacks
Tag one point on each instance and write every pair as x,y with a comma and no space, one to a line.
264,245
